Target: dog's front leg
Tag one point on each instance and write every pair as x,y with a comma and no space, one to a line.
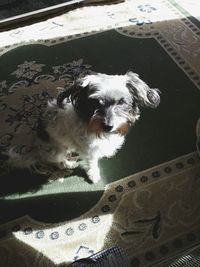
93,171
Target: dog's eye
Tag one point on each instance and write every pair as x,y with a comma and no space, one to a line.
101,102
121,101
96,103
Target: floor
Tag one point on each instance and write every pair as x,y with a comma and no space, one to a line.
192,6
20,7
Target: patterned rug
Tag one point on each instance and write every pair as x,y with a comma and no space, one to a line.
154,212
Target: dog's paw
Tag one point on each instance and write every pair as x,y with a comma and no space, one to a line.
67,164
59,175
94,175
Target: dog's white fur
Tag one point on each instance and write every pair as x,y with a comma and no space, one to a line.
68,132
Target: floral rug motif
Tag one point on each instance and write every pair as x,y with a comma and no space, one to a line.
153,213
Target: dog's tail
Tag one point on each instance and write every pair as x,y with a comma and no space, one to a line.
21,157
17,158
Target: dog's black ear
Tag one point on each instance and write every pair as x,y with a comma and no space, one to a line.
142,93
64,95
77,95
70,94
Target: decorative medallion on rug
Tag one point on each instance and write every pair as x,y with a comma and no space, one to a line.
147,201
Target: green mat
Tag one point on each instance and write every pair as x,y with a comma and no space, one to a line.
163,54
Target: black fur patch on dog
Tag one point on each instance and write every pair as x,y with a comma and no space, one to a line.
41,131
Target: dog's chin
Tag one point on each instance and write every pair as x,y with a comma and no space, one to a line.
95,127
123,129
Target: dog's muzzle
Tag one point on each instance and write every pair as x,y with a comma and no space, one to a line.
107,127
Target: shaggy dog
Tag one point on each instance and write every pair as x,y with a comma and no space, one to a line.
91,118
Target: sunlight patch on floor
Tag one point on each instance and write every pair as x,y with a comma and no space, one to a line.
87,20
58,238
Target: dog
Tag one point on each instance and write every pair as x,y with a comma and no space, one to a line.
91,118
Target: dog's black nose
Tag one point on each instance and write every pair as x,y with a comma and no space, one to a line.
107,127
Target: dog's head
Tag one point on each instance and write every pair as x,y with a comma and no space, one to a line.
109,103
